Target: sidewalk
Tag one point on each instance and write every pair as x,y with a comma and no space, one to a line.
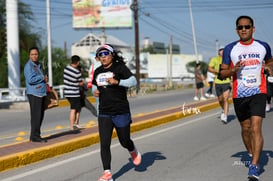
15,155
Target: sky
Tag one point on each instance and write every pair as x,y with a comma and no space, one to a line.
213,20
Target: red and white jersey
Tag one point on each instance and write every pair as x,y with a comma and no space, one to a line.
250,79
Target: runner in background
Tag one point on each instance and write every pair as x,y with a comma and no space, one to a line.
269,85
210,80
222,86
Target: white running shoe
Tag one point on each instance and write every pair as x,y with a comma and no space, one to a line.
212,95
267,107
203,98
207,94
223,118
196,98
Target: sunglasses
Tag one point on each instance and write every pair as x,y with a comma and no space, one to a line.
247,27
101,54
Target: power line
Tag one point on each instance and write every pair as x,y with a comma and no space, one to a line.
164,16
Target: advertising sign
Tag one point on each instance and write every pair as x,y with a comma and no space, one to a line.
102,13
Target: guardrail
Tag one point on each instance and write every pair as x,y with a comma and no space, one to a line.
19,94
15,95
11,95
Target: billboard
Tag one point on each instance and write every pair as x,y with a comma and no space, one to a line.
102,13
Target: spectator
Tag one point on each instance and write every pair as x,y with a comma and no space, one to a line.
199,78
72,83
84,101
36,93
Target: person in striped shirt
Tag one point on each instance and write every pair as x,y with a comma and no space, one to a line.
72,82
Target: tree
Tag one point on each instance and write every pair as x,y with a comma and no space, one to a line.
149,49
191,67
58,63
27,39
3,53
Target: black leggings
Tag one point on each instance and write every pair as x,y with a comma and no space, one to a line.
36,115
269,87
106,127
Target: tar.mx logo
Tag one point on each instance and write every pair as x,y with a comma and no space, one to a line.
190,110
241,163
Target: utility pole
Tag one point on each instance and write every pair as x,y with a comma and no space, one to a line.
13,48
171,64
217,46
193,33
134,7
65,51
49,63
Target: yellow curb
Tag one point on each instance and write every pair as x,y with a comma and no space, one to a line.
90,124
19,139
64,102
37,154
22,133
59,127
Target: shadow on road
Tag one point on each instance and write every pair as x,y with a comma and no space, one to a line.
148,160
63,134
246,160
231,117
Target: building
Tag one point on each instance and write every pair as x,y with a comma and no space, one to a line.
159,47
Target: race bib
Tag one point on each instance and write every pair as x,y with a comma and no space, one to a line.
251,80
102,78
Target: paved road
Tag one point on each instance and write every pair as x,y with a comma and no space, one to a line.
15,124
197,148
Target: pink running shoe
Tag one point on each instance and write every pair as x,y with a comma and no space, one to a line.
136,157
107,176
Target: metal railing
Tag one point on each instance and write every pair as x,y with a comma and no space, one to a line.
19,94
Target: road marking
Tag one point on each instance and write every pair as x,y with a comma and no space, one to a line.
19,139
50,166
46,132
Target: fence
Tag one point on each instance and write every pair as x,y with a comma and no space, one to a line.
19,94
16,95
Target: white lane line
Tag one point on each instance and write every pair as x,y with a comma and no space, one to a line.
63,162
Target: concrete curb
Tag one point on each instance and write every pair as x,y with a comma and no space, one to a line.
64,102
25,105
37,154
